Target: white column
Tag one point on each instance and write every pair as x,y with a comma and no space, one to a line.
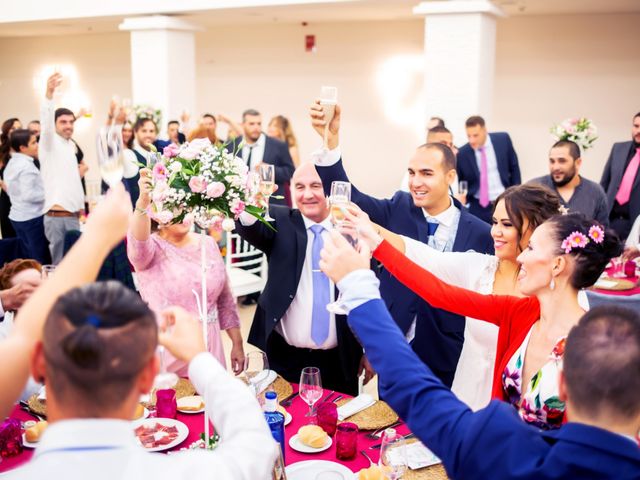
163,64
459,54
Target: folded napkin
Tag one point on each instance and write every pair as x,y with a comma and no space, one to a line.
417,455
361,402
266,378
606,284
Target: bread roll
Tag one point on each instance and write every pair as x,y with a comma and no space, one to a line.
372,473
313,436
34,433
192,403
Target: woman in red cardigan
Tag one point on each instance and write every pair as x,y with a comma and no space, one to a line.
565,254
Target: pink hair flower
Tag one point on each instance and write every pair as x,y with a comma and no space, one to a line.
575,240
596,234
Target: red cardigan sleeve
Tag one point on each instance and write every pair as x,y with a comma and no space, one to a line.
491,308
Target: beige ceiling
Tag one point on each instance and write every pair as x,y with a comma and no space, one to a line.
362,10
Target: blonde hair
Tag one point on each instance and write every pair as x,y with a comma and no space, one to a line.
283,124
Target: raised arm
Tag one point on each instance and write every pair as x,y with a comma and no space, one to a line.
105,227
257,233
47,113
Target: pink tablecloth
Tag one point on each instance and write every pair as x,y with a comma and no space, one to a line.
625,293
195,423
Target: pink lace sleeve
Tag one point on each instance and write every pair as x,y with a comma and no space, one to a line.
140,253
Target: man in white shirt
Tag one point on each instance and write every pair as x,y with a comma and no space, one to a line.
292,324
97,357
64,196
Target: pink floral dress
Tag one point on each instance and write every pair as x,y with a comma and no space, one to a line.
167,276
540,404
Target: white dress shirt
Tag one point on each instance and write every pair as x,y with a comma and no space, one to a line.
257,151
495,183
58,165
295,325
25,188
107,449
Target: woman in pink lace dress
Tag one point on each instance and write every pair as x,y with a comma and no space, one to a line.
167,265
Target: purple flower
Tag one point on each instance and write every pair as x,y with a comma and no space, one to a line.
197,184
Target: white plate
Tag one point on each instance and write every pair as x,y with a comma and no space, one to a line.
309,469
287,418
188,412
27,444
298,446
183,431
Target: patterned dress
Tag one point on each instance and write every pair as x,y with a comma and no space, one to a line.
168,275
539,404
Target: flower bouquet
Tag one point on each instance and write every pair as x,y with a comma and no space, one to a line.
201,182
579,130
146,111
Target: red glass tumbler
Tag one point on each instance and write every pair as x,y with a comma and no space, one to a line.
346,441
328,417
166,405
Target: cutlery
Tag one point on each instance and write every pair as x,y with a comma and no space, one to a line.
378,433
326,399
364,454
287,401
339,397
406,437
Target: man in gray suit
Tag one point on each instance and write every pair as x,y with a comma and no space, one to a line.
621,181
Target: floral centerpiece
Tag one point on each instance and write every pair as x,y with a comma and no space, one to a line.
146,111
579,130
201,182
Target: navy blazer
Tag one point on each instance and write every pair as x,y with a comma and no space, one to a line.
506,157
493,443
612,177
286,250
439,334
277,154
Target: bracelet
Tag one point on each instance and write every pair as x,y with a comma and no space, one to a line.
141,211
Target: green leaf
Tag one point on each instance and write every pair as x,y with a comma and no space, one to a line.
535,380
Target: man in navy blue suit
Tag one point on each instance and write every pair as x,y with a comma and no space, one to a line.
600,386
489,164
426,213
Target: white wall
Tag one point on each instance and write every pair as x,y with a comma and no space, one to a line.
547,69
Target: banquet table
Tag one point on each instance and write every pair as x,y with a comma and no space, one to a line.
298,409
625,293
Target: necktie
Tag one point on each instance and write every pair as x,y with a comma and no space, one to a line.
249,155
432,226
624,192
484,178
319,314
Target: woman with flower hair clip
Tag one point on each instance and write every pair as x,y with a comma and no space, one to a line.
564,255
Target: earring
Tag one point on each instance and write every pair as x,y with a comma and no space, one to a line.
552,285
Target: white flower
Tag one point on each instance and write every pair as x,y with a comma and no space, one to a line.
175,167
228,224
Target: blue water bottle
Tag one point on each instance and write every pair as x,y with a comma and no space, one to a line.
275,419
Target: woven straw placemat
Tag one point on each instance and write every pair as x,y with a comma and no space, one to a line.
282,388
183,388
378,415
37,406
434,472
620,284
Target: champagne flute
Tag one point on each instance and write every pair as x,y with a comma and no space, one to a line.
328,101
339,200
267,186
256,369
109,149
463,187
164,379
393,455
310,387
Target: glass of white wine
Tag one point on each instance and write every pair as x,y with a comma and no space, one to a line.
328,101
393,455
339,201
110,149
267,186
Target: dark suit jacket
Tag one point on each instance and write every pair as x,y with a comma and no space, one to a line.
439,334
505,155
493,443
612,176
277,154
286,251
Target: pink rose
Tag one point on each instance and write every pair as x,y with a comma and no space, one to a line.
160,191
193,149
160,171
163,216
197,184
171,150
237,207
215,189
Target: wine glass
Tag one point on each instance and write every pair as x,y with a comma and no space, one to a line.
310,387
328,101
164,379
618,267
463,187
267,186
393,455
256,369
339,200
109,148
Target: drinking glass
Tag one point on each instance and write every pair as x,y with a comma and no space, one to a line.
310,387
47,271
618,266
346,441
109,149
393,455
339,200
267,186
328,417
153,158
328,101
166,404
463,187
164,379
256,369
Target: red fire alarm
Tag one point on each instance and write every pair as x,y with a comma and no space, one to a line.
310,43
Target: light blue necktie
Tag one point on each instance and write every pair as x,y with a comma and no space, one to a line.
321,297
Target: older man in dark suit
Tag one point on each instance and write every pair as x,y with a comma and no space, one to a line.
489,164
254,147
621,181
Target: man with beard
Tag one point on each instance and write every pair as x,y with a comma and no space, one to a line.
577,194
621,180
